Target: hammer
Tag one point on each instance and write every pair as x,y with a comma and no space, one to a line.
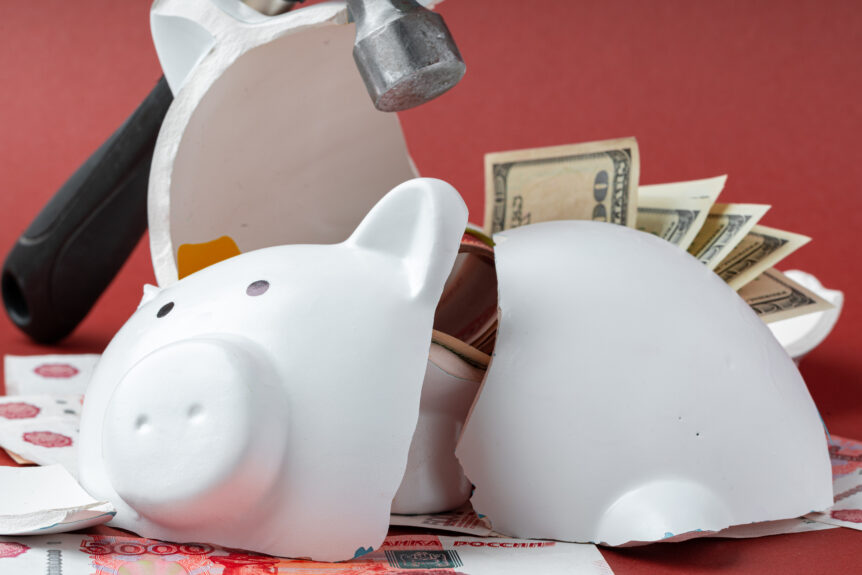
63,262
405,53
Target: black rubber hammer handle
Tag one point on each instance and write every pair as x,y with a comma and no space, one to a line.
76,245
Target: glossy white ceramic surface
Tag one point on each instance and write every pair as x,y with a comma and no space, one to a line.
633,396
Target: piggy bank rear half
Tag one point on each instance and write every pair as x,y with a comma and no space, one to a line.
268,402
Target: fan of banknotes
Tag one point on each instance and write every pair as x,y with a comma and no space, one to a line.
599,181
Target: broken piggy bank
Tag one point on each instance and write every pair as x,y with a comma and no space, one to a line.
268,402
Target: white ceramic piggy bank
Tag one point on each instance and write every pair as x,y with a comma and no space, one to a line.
268,402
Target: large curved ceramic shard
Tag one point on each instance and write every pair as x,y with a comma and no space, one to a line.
271,138
633,396
268,402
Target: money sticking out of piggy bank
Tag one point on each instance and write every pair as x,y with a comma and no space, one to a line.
268,402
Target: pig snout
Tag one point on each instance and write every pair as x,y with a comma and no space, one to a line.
195,431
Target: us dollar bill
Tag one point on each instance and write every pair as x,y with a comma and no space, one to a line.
761,249
677,211
724,228
671,220
592,181
774,296
705,189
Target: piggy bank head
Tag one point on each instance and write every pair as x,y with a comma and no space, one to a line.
268,402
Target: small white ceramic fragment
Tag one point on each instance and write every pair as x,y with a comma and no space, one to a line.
633,396
42,500
271,138
799,335
268,402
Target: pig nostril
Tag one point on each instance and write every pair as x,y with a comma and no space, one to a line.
196,412
142,424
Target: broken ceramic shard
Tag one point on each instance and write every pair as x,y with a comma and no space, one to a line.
633,394
434,481
270,399
264,108
43,500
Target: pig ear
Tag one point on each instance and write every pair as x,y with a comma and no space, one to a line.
421,223
150,293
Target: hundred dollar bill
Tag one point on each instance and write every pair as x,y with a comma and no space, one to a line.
676,212
592,181
724,228
774,296
708,188
85,554
758,251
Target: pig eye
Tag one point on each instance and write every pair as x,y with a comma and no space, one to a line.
257,288
165,309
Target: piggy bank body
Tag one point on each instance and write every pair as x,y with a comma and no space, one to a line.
268,402
634,397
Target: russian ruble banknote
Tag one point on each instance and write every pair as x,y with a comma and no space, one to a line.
53,374
759,250
463,520
847,510
846,456
725,226
592,181
676,212
41,428
774,296
84,554
44,442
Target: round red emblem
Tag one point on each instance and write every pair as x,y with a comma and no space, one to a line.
18,410
47,439
12,549
56,370
849,515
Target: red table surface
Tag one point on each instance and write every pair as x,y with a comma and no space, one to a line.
767,92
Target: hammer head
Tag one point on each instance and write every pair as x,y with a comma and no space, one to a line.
404,52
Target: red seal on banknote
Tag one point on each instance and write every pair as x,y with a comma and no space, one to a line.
47,439
12,549
18,410
241,563
849,515
56,370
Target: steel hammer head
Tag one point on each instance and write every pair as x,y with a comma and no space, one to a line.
404,52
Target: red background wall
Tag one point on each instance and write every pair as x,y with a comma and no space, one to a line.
767,92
